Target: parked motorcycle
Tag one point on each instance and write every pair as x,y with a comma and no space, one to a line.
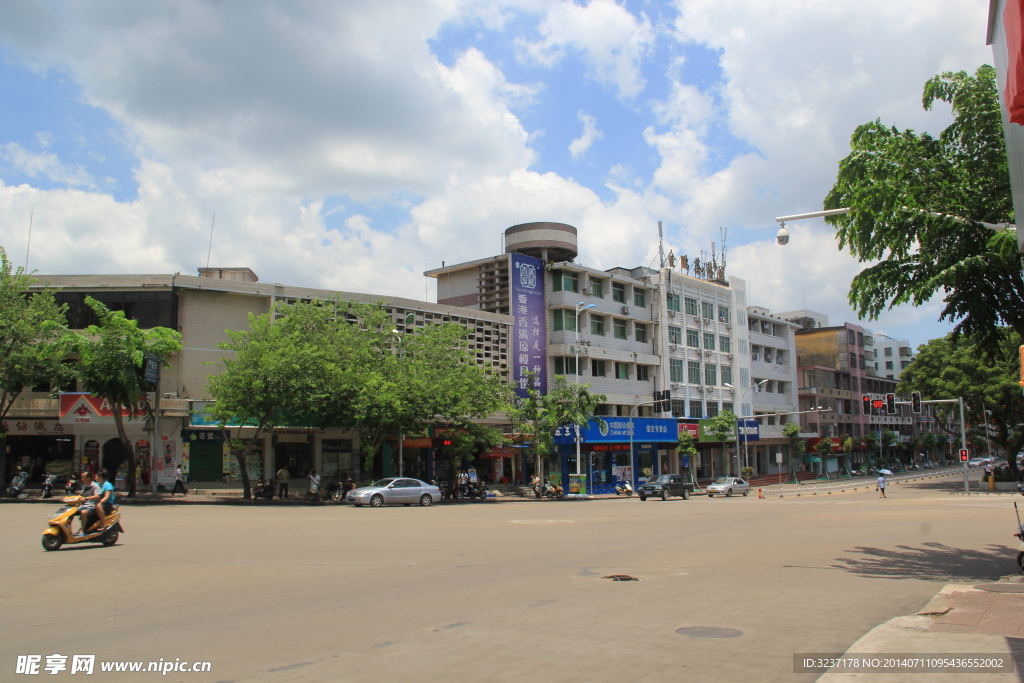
553,490
476,490
624,488
342,489
313,494
48,485
17,484
59,530
264,490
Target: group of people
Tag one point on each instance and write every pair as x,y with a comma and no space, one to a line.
99,497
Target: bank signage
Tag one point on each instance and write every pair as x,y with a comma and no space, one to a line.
616,429
529,341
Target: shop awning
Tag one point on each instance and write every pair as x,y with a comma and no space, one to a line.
497,454
813,458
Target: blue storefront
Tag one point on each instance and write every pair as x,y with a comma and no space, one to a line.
604,450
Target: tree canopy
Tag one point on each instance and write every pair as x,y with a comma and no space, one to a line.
895,181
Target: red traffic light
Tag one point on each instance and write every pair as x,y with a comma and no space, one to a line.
964,457
446,442
878,404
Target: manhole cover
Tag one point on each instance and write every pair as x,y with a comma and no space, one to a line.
709,632
620,577
1001,587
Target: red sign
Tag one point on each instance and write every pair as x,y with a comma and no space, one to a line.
497,454
610,446
89,409
693,429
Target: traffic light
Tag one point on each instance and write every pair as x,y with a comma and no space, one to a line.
663,401
915,402
866,400
964,457
890,404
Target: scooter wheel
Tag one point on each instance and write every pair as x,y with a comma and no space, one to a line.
1020,561
52,541
108,539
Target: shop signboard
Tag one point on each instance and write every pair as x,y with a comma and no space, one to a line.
36,427
529,342
152,368
84,408
616,429
706,435
623,472
200,418
750,430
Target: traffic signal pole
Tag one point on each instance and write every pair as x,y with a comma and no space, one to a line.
963,431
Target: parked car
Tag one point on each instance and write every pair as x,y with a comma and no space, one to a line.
727,486
394,491
976,462
665,485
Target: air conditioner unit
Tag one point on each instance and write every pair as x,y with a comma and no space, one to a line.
707,321
728,326
671,314
625,310
169,395
701,388
588,290
672,347
674,385
728,356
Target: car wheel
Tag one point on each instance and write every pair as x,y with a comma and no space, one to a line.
643,497
406,504
664,494
376,501
426,500
746,492
711,495
52,541
728,494
686,494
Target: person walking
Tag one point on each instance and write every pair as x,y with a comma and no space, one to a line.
880,485
179,482
283,475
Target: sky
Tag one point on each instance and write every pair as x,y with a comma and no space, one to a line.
351,145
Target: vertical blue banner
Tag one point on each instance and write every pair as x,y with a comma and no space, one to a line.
528,343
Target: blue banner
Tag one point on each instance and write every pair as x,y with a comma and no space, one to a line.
616,429
529,342
749,430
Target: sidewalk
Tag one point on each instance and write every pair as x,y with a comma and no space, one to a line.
962,619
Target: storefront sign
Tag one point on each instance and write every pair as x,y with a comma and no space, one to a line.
608,447
76,408
202,435
419,442
623,472
707,436
36,427
200,418
612,429
152,369
750,430
529,341
497,454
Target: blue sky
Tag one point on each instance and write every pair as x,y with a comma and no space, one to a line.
347,146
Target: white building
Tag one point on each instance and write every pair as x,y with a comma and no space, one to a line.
892,356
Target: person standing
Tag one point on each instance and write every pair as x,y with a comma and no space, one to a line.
179,482
989,470
880,485
283,475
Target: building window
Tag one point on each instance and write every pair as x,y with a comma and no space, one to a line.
755,353
851,337
693,371
726,406
767,354
725,344
564,320
640,332
696,409
904,364
619,292
643,373
622,371
780,387
565,280
861,362
565,366
853,384
709,341
675,335
712,409
853,360
672,301
597,324
710,374
597,288
779,360
597,368
860,339
639,298
888,365
723,315
888,351
726,374
693,339
768,387
708,310
678,408
691,306
619,328
675,370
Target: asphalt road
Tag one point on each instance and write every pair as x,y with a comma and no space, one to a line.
494,591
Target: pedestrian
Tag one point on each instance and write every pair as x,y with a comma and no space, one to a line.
283,475
179,482
989,469
880,485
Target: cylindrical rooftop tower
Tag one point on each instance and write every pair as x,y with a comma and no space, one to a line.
546,241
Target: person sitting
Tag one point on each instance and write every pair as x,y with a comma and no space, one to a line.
105,505
90,494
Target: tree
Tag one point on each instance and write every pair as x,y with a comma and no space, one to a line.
685,447
889,439
112,360
796,446
541,414
871,446
723,426
824,449
985,376
895,181
34,340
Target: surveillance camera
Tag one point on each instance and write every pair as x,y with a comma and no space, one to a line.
783,235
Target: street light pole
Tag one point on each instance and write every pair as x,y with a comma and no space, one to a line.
409,319
632,457
746,457
580,307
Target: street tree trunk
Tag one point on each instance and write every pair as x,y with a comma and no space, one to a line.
126,444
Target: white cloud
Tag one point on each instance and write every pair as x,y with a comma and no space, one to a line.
590,133
41,165
612,40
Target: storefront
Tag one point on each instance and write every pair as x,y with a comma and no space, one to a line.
97,444
39,446
605,450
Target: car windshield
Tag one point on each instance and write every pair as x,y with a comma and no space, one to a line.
724,480
661,479
381,483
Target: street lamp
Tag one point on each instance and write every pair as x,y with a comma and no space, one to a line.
580,307
632,459
783,235
746,457
410,318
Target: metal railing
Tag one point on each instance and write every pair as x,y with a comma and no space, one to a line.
782,491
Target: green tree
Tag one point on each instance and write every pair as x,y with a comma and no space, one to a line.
889,440
723,427
112,359
796,447
984,375
541,415
870,441
824,450
895,181
685,447
34,342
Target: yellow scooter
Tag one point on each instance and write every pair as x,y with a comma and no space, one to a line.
59,532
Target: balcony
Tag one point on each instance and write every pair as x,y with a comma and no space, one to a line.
35,405
807,391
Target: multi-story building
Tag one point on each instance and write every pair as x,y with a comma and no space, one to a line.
201,308
892,356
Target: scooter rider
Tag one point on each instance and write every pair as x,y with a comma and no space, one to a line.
91,493
107,497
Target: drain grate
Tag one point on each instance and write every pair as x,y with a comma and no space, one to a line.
709,632
620,577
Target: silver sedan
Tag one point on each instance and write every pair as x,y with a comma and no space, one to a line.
394,491
726,486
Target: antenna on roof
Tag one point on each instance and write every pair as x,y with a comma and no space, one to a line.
210,249
661,246
28,249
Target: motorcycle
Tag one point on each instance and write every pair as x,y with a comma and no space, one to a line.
624,489
70,486
59,531
476,490
17,484
48,485
341,490
264,490
553,490
313,494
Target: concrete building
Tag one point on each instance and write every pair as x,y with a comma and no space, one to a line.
201,308
892,356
